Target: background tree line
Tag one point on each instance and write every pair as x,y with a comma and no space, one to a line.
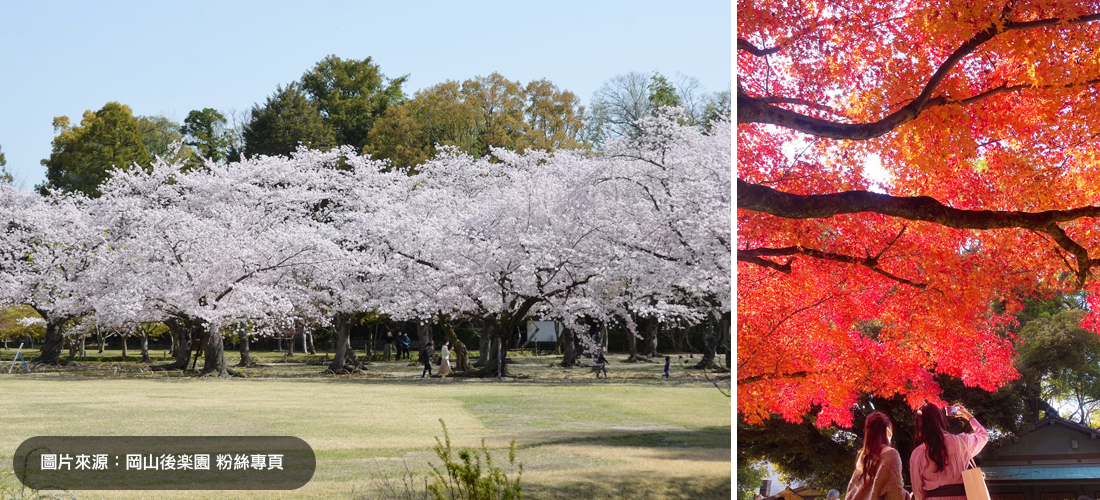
352,102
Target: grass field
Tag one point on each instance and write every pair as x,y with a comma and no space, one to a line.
634,436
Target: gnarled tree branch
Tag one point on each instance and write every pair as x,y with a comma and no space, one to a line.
767,200
754,256
759,110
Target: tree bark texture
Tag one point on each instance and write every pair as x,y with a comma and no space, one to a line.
462,356
344,359
568,347
182,331
52,344
649,348
145,346
246,355
214,354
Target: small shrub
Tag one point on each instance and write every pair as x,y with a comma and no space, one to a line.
467,478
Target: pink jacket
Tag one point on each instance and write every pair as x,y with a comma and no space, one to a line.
960,449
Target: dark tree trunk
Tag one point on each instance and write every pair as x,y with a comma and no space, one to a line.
725,325
290,345
52,344
175,342
632,345
500,330
214,354
569,347
483,344
557,335
462,361
369,348
711,338
246,356
99,339
344,359
423,333
145,346
305,342
650,347
125,352
309,345
182,333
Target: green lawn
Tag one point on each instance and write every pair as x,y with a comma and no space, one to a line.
635,436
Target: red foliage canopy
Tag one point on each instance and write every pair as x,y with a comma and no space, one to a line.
985,119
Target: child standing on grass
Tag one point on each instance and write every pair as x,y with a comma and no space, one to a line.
668,362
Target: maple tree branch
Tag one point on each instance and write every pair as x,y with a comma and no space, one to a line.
759,110
747,46
753,255
798,101
770,376
767,200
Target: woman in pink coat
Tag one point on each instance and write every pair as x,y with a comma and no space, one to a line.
940,457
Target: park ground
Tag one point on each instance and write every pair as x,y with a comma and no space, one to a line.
631,436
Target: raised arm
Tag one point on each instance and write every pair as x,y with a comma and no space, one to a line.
975,440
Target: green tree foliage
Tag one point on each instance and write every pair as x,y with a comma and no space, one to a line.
11,329
476,115
287,118
717,107
750,476
208,131
5,175
104,139
158,134
1061,360
351,95
662,92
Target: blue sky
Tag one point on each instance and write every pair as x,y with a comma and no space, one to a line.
162,58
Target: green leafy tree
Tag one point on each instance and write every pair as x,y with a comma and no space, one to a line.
286,119
12,329
351,95
5,175
1061,360
208,131
159,134
662,92
750,476
475,116
82,154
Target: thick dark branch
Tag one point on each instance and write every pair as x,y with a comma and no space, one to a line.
920,208
770,376
754,255
760,110
745,256
795,100
747,46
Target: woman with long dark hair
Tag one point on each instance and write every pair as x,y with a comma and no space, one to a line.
878,467
938,461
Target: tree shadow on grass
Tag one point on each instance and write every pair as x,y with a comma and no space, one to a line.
694,444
